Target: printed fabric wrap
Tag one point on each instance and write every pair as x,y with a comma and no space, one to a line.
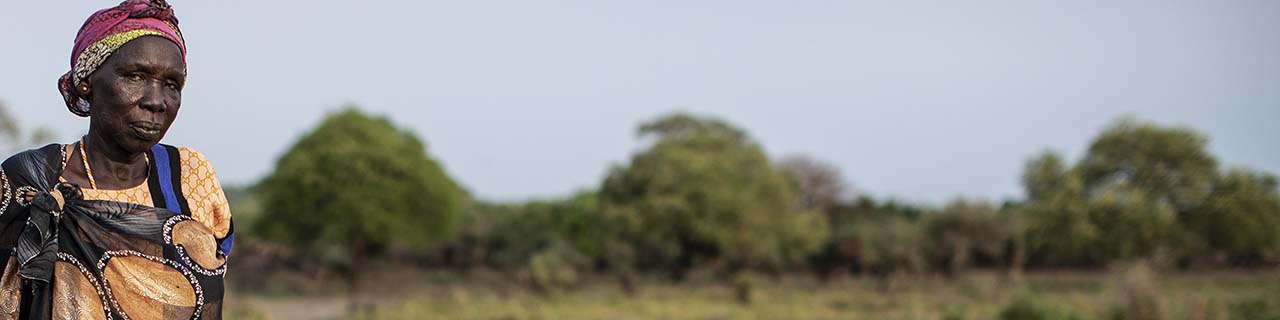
66,257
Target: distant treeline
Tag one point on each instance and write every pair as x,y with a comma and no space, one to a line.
704,198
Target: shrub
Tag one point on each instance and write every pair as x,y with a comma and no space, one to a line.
1255,309
554,268
744,283
1140,299
1029,307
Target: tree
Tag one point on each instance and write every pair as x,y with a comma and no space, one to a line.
359,184
1134,224
520,231
703,192
1140,179
966,229
881,245
878,238
1241,218
1059,229
820,184
1170,164
1044,176
15,138
1145,191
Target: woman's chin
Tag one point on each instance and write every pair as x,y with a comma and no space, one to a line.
134,144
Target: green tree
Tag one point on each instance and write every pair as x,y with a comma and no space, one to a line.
15,138
522,230
358,184
882,245
1059,229
1241,217
966,229
704,192
1170,164
1045,176
1125,198
1134,224
1140,179
874,238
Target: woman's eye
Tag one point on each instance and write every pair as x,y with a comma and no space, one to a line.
171,85
134,76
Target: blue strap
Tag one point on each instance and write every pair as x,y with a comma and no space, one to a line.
163,172
165,176
226,244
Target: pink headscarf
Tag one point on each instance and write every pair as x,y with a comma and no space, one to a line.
105,32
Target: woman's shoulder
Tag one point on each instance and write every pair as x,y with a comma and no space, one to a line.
191,158
37,167
192,154
33,158
195,165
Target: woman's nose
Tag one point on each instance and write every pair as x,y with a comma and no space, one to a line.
153,100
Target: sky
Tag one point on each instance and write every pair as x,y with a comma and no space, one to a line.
920,101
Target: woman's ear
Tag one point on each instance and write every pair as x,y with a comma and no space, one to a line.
84,90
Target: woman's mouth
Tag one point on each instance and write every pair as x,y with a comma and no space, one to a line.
148,130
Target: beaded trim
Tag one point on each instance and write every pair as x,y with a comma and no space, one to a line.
102,267
4,204
63,164
182,250
106,309
20,196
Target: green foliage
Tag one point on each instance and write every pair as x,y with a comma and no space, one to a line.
1068,225
1255,309
520,231
359,183
554,268
1170,164
873,237
968,229
704,195
744,286
1046,176
1132,223
704,191
1147,191
1059,228
954,314
1141,299
245,204
15,137
883,245
1241,216
1029,307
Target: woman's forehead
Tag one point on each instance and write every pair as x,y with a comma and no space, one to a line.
149,50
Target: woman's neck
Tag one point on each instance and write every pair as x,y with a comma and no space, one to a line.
112,166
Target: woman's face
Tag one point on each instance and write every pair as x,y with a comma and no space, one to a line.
135,95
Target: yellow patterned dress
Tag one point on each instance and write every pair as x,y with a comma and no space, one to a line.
113,254
204,192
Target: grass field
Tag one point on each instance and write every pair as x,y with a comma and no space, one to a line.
979,295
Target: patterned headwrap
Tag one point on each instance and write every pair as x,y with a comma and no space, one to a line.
108,30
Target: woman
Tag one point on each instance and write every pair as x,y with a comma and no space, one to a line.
116,225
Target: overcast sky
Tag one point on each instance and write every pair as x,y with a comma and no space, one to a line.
921,101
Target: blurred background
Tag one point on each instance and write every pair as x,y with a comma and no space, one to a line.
721,159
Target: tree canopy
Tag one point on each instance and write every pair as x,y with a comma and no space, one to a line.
705,192
1145,190
358,182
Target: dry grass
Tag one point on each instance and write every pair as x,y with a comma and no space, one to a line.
974,296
